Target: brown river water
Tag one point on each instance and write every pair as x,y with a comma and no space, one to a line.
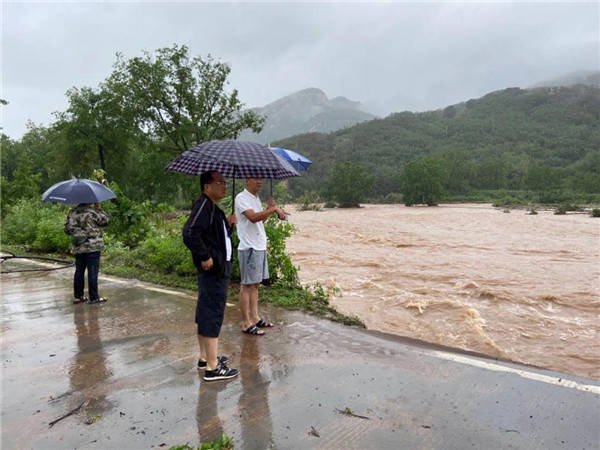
515,286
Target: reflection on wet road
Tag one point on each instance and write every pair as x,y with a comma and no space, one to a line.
132,361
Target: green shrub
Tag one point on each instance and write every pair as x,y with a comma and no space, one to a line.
393,198
129,220
20,224
50,231
167,253
37,225
116,253
222,443
508,201
309,201
280,264
595,212
563,208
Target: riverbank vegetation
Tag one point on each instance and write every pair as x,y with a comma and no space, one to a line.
143,241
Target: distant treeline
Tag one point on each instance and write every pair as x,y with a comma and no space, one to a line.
540,140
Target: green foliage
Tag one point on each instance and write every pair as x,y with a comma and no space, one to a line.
5,197
129,220
39,226
167,253
595,212
309,201
560,210
280,264
222,443
349,184
313,299
505,140
20,224
422,182
24,185
509,201
563,208
93,419
180,99
50,231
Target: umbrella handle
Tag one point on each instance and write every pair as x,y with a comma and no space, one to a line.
233,192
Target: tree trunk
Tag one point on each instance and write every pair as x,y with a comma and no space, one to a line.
101,154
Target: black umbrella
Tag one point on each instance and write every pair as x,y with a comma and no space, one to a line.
233,159
78,190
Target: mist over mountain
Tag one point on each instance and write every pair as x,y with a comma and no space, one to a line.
306,111
587,77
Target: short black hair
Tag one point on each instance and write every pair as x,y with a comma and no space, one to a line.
206,178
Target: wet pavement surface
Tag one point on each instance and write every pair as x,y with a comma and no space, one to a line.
130,363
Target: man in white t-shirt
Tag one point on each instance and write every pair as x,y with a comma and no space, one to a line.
252,252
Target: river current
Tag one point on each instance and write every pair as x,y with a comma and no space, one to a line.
511,285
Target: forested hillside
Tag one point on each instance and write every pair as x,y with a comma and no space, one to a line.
535,139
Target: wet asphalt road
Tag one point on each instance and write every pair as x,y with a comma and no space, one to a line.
131,363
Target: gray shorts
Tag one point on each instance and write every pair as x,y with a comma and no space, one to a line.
253,266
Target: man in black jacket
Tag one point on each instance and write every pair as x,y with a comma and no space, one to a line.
207,233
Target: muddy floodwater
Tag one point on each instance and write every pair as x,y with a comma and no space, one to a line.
510,285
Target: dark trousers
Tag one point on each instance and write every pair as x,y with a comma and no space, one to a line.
210,308
91,262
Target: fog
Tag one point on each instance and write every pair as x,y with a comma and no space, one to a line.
389,56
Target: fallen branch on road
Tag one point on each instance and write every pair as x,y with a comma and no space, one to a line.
70,413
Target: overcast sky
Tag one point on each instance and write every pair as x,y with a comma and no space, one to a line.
390,56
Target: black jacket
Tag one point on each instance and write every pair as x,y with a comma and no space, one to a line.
203,234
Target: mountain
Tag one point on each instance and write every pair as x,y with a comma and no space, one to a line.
587,77
498,141
305,111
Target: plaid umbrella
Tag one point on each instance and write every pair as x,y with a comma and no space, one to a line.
233,159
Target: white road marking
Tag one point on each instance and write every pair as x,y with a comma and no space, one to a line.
522,373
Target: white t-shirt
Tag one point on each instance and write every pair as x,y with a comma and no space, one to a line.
227,243
252,235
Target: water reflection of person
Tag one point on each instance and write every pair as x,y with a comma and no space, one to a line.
89,367
207,413
253,404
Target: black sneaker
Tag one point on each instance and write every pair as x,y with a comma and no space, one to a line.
220,360
222,372
97,300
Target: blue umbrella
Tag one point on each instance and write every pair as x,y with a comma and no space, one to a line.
298,161
78,190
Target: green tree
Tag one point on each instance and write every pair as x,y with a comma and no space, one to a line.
96,130
542,178
422,181
348,184
180,100
25,185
